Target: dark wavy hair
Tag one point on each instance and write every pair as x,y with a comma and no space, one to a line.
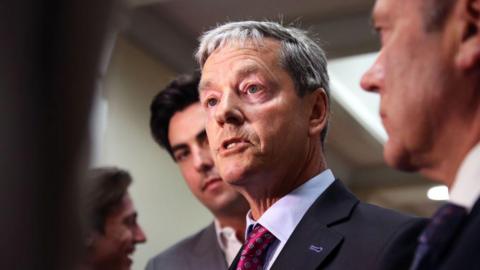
106,188
176,96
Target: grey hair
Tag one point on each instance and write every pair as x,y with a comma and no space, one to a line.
300,55
436,13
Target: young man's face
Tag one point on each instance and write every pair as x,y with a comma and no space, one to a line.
191,151
112,250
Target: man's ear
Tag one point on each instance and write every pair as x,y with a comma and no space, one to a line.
469,51
319,111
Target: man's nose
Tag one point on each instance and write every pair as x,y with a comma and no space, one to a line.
202,158
139,235
373,79
229,109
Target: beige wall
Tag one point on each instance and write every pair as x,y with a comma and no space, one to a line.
167,210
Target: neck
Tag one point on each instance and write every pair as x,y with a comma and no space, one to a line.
261,198
452,149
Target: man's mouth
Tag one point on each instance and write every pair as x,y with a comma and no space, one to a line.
210,182
129,255
233,145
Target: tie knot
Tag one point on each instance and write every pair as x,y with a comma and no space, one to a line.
253,252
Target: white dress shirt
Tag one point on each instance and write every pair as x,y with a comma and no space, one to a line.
285,214
466,187
228,242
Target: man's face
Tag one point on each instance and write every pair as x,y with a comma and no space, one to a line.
257,124
112,250
192,153
413,77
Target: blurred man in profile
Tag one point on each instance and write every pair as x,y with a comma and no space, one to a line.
113,229
178,125
428,78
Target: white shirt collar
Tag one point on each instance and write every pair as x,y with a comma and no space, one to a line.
283,216
228,242
466,187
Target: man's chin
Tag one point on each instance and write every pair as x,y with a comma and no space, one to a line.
234,178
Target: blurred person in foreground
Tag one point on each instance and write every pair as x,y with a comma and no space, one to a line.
428,78
265,89
113,229
178,125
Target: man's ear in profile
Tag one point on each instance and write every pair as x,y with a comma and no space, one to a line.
468,13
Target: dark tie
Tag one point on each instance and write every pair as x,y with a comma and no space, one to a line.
436,237
252,255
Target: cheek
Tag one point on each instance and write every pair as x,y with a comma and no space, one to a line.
192,179
275,128
213,130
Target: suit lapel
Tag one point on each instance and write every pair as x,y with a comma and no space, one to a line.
313,241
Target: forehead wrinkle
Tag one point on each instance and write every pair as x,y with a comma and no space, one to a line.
253,62
203,85
255,66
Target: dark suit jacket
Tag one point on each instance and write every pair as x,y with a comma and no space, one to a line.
339,232
464,251
199,251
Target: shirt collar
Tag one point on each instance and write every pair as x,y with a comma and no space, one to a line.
285,214
465,189
223,234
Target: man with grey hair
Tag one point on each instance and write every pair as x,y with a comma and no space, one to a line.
265,89
428,77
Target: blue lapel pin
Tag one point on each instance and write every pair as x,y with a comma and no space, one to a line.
316,249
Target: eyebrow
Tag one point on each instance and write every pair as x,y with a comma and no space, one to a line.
178,147
199,136
203,84
239,74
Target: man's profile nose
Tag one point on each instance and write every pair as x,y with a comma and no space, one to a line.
372,80
140,236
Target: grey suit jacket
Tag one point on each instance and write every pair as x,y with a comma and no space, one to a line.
199,251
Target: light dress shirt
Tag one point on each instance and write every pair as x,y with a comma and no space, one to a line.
228,242
285,214
466,187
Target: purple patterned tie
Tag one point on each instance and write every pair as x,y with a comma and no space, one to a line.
252,256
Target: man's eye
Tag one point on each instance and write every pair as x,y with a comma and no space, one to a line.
181,156
252,89
211,102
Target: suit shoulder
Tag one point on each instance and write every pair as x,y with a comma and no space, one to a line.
385,215
174,256
397,235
